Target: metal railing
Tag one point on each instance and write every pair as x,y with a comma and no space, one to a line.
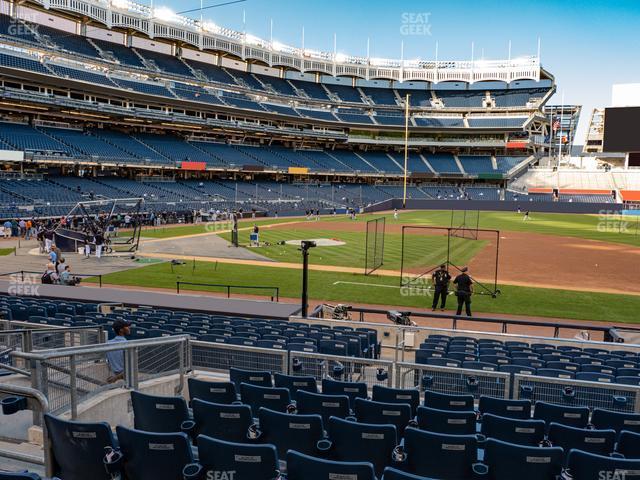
578,393
69,376
36,402
21,275
504,323
353,369
453,380
275,291
219,357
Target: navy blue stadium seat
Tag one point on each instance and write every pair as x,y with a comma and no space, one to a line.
222,421
507,461
19,476
290,432
437,455
255,462
358,442
326,406
411,396
629,444
444,401
78,448
512,430
304,467
260,378
352,390
505,408
600,442
588,466
391,473
215,392
618,421
396,414
273,398
295,383
153,413
446,421
154,456
566,415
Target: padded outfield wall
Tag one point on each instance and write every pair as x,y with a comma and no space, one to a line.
498,206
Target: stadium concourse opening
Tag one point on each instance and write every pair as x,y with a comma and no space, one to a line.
425,248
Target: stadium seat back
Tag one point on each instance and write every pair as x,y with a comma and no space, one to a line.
224,422
290,432
304,467
511,430
446,421
78,448
436,455
507,461
154,456
255,462
588,466
362,442
157,414
326,406
444,401
214,392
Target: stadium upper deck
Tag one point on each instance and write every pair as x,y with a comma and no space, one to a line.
238,79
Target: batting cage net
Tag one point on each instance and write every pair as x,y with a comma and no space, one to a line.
425,249
374,245
465,223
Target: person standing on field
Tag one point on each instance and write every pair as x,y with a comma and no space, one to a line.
464,290
440,279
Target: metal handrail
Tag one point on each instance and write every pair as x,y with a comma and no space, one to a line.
22,273
100,348
505,322
229,287
41,407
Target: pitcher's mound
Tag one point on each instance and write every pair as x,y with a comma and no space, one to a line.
320,242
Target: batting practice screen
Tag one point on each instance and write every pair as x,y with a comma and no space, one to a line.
424,249
374,245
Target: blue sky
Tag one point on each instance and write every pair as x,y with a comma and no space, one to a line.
587,45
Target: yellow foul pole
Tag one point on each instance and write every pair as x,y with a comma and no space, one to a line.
406,148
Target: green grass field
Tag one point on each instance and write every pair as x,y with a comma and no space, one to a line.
194,229
6,251
384,291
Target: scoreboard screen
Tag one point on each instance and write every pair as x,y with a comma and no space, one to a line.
622,129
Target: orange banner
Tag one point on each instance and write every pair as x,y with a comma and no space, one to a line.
193,166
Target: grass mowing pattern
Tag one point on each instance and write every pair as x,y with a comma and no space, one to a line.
367,289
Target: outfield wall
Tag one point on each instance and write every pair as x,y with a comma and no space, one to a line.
498,206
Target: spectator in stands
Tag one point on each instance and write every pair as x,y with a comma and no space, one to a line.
60,265
22,225
115,358
66,278
464,290
50,276
7,229
440,279
29,230
53,255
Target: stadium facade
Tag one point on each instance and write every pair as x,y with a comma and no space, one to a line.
122,96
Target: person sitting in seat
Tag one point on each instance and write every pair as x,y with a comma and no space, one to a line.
115,358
